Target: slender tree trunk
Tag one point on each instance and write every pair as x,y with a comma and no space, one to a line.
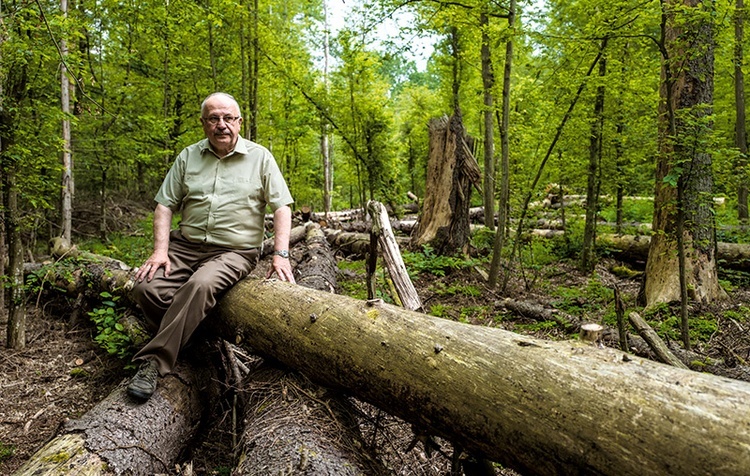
212,56
3,241
686,105
502,210
17,313
67,160
456,70
326,148
739,98
254,62
595,151
558,132
488,83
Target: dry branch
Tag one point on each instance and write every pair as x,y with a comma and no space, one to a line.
654,341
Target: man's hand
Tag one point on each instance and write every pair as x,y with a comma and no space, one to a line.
282,267
154,262
160,256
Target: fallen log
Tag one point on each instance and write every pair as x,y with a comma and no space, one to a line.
121,436
354,243
536,406
730,255
292,426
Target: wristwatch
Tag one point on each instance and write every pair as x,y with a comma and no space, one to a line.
282,253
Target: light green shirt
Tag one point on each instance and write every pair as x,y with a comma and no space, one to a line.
224,201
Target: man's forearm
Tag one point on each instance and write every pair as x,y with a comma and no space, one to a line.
162,227
282,228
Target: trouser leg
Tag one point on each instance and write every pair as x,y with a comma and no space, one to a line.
191,302
154,297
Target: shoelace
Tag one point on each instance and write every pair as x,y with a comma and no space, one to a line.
148,372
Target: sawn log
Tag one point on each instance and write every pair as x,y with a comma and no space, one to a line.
537,406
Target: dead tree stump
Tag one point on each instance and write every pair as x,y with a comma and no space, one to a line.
451,172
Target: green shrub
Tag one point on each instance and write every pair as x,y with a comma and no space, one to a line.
111,334
6,451
438,265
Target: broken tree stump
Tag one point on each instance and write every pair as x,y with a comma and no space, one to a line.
381,227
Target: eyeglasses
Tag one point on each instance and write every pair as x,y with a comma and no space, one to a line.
213,120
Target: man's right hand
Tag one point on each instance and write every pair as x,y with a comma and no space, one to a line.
154,262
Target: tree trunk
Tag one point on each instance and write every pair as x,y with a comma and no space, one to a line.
739,100
407,293
540,407
687,98
536,406
502,211
595,158
17,310
67,160
451,172
120,436
488,83
292,425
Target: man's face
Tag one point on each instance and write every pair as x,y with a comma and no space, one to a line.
223,134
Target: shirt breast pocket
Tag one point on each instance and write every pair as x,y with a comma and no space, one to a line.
246,187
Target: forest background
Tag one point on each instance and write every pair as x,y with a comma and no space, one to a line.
97,97
345,115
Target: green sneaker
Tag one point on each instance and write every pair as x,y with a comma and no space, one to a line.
143,384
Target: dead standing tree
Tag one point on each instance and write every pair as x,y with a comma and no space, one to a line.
451,172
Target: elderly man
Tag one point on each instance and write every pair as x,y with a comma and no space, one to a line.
222,184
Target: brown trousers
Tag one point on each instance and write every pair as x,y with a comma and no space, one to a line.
178,304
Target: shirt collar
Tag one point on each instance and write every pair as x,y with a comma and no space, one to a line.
239,148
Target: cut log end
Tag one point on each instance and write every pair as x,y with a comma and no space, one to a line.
591,333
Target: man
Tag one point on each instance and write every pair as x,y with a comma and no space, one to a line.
222,184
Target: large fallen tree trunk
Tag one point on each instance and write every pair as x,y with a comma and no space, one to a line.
730,255
121,436
537,406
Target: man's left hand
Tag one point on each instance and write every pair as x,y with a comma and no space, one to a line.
283,268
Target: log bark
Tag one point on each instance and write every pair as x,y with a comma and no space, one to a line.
291,425
635,247
121,436
654,341
354,243
536,406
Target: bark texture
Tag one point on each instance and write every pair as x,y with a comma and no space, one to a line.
291,425
684,179
513,399
122,437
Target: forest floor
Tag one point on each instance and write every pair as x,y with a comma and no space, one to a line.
62,373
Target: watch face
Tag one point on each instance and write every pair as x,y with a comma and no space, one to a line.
282,253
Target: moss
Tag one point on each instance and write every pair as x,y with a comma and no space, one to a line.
59,457
78,372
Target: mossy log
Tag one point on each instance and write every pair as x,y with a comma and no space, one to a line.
536,406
